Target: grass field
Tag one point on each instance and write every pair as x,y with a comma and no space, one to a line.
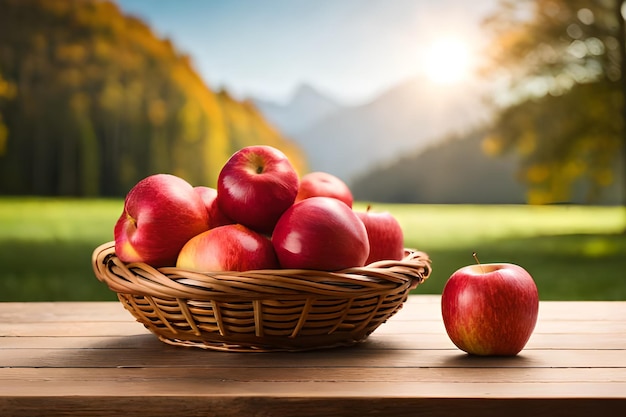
572,252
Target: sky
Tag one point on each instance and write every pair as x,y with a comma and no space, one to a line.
351,50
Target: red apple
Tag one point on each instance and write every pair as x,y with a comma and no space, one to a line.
209,198
161,213
490,309
323,184
232,247
385,235
255,187
320,233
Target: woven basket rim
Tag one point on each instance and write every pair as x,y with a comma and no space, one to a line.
141,279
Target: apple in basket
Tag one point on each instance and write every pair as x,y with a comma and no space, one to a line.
323,184
255,187
490,309
385,235
209,198
232,247
161,213
320,233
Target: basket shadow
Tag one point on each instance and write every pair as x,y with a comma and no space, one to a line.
147,351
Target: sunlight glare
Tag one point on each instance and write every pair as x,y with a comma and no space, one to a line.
447,61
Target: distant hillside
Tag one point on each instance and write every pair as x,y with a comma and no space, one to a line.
350,140
452,171
91,101
306,107
457,171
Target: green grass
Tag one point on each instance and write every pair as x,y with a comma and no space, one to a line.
572,252
46,246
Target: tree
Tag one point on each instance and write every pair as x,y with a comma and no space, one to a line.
7,92
91,101
563,112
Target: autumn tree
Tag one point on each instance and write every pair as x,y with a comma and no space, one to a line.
91,101
562,111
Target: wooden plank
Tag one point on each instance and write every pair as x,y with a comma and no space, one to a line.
420,308
617,325
167,356
379,340
440,340
586,310
106,328
131,327
92,358
200,375
327,389
131,341
306,406
428,307
30,312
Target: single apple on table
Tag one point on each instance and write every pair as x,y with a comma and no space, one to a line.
161,213
385,235
209,198
320,233
323,184
255,187
231,247
490,309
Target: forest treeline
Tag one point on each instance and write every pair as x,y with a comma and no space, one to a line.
92,100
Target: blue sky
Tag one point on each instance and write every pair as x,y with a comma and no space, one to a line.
349,49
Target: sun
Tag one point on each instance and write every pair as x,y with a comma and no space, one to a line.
447,60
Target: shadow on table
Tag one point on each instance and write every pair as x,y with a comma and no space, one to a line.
464,360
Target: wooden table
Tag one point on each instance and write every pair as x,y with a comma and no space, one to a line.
94,359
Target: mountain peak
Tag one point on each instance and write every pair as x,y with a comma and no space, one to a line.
305,107
306,95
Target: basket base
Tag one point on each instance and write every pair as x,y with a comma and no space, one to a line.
179,333
278,346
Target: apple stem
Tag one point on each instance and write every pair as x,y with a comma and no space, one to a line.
478,262
368,207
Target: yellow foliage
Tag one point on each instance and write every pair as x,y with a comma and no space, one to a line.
603,177
71,53
80,103
102,49
130,61
564,108
537,174
58,8
527,142
204,119
492,146
71,77
190,118
137,105
111,95
4,133
157,112
574,168
8,89
537,196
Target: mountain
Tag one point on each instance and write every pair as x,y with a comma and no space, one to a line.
455,170
350,140
305,107
452,171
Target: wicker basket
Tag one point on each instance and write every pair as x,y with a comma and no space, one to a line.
261,311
